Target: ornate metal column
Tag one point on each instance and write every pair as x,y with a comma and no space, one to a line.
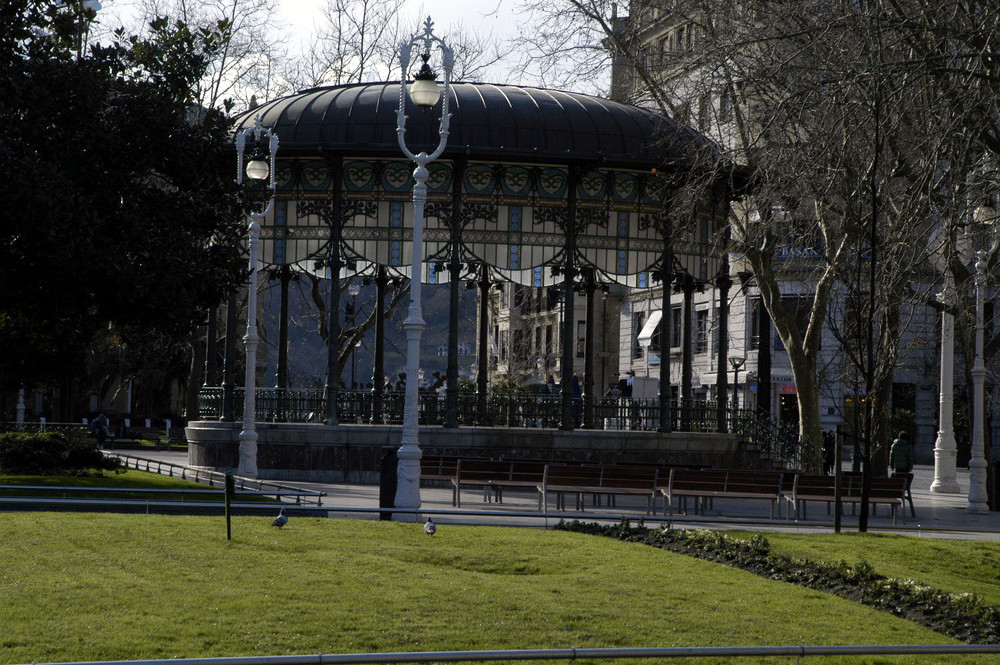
589,395
764,360
454,286
723,283
211,347
332,386
229,363
945,476
482,357
284,277
687,352
978,498
335,263
378,372
569,270
666,275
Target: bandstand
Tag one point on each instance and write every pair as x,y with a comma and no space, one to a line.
537,187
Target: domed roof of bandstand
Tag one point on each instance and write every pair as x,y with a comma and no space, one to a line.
503,123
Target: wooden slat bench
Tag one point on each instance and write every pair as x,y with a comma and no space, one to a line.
141,433
438,468
176,438
856,480
495,476
708,484
608,481
884,491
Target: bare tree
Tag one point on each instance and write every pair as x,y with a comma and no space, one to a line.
566,43
350,335
359,41
822,102
247,59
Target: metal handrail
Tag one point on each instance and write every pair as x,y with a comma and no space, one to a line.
574,654
199,475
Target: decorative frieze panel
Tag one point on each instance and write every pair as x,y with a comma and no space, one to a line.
513,217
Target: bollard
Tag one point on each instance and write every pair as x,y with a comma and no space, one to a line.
230,492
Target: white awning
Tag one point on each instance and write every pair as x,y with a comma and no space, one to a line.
648,330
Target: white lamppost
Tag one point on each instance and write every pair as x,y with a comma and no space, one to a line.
424,91
978,499
945,478
21,408
260,167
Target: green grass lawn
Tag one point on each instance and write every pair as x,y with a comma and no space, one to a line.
956,566
131,479
103,586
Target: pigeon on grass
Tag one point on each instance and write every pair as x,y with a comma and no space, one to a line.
430,527
281,520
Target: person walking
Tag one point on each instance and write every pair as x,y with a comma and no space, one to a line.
829,453
101,429
901,455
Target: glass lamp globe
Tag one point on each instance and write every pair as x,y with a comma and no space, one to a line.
424,89
257,169
424,92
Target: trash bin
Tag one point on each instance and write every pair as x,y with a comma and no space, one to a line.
387,482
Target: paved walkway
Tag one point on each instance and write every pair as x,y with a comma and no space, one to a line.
937,515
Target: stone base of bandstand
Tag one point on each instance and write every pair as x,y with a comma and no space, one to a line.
352,453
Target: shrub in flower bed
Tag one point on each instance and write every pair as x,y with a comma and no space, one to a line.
961,616
50,453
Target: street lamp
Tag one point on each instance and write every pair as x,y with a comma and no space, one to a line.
260,168
424,92
737,363
978,499
945,479
945,473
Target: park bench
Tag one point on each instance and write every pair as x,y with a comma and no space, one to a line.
885,491
141,433
856,478
705,485
610,481
494,476
437,468
177,438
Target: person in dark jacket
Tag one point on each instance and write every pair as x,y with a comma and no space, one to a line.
901,455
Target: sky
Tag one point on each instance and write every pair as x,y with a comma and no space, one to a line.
299,19
485,16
